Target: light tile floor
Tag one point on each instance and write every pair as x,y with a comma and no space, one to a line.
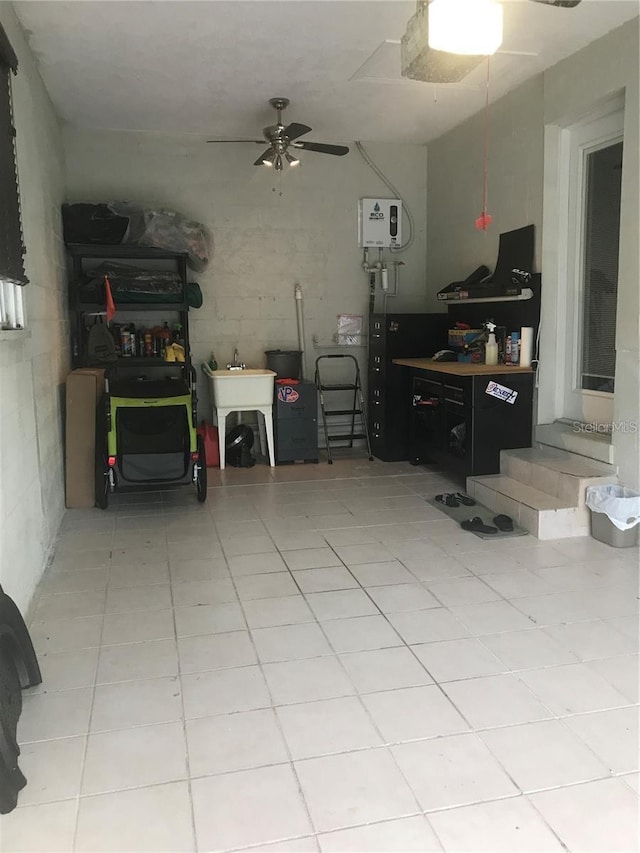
316,659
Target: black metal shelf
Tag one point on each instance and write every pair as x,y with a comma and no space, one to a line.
149,361
83,258
89,308
108,251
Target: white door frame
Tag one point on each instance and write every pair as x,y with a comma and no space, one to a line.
586,138
558,306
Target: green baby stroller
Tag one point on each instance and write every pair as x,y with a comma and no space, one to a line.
146,436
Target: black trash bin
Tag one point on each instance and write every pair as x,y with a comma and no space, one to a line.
286,363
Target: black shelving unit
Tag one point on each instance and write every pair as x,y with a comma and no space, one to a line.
397,336
83,258
456,424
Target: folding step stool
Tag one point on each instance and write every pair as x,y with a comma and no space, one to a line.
357,407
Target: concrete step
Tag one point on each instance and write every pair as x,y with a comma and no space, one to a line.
559,474
543,515
573,439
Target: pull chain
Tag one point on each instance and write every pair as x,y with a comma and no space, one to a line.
485,219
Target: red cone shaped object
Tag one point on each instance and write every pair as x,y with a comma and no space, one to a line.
111,306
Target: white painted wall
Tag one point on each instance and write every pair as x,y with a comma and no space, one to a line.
516,180
268,234
454,198
33,368
572,88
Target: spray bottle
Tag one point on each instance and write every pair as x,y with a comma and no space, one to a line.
491,347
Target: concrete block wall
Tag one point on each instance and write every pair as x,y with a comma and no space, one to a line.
454,198
270,231
33,364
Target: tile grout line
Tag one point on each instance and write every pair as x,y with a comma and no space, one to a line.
91,705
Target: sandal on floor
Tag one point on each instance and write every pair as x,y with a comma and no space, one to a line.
448,500
503,523
465,499
477,525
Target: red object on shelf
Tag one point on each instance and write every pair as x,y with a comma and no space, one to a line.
209,435
111,306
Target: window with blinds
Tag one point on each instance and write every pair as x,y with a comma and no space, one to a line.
603,175
12,274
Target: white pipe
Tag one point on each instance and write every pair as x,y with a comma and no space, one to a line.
300,319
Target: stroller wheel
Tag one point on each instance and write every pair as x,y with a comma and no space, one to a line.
201,479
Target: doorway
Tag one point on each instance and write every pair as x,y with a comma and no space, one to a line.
594,193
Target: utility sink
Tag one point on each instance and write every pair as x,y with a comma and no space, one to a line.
238,390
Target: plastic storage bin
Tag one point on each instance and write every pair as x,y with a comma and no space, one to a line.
615,515
604,530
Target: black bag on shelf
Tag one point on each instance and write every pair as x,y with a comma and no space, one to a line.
92,223
101,347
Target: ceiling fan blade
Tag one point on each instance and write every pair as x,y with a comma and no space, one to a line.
568,4
258,141
294,130
321,148
266,155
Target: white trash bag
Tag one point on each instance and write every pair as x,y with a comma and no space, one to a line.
619,504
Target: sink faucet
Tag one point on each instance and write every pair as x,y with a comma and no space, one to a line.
236,364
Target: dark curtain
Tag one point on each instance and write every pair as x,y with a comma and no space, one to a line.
11,245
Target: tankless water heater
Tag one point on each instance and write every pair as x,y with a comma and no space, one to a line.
380,223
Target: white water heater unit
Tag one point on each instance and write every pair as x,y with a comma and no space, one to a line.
380,223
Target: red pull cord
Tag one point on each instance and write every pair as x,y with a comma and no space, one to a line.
485,219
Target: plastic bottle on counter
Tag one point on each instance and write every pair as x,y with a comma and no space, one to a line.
491,350
515,347
213,364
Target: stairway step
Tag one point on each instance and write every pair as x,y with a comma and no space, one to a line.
344,412
340,387
592,446
557,473
347,436
545,516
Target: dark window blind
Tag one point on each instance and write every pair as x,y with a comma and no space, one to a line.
11,244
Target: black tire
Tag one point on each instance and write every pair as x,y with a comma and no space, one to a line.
201,482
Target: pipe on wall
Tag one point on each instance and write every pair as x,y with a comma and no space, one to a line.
300,319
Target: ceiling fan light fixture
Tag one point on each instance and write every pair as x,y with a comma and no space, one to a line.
291,160
468,27
269,161
278,162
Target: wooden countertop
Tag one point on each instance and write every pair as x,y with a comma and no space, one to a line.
458,368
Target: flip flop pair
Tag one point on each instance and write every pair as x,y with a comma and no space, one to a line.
476,525
455,499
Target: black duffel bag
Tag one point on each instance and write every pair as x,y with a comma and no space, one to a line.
93,223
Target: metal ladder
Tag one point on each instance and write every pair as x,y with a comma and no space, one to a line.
357,407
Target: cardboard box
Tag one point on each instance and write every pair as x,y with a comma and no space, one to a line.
84,390
459,337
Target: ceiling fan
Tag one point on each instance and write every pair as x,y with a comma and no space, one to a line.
281,139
